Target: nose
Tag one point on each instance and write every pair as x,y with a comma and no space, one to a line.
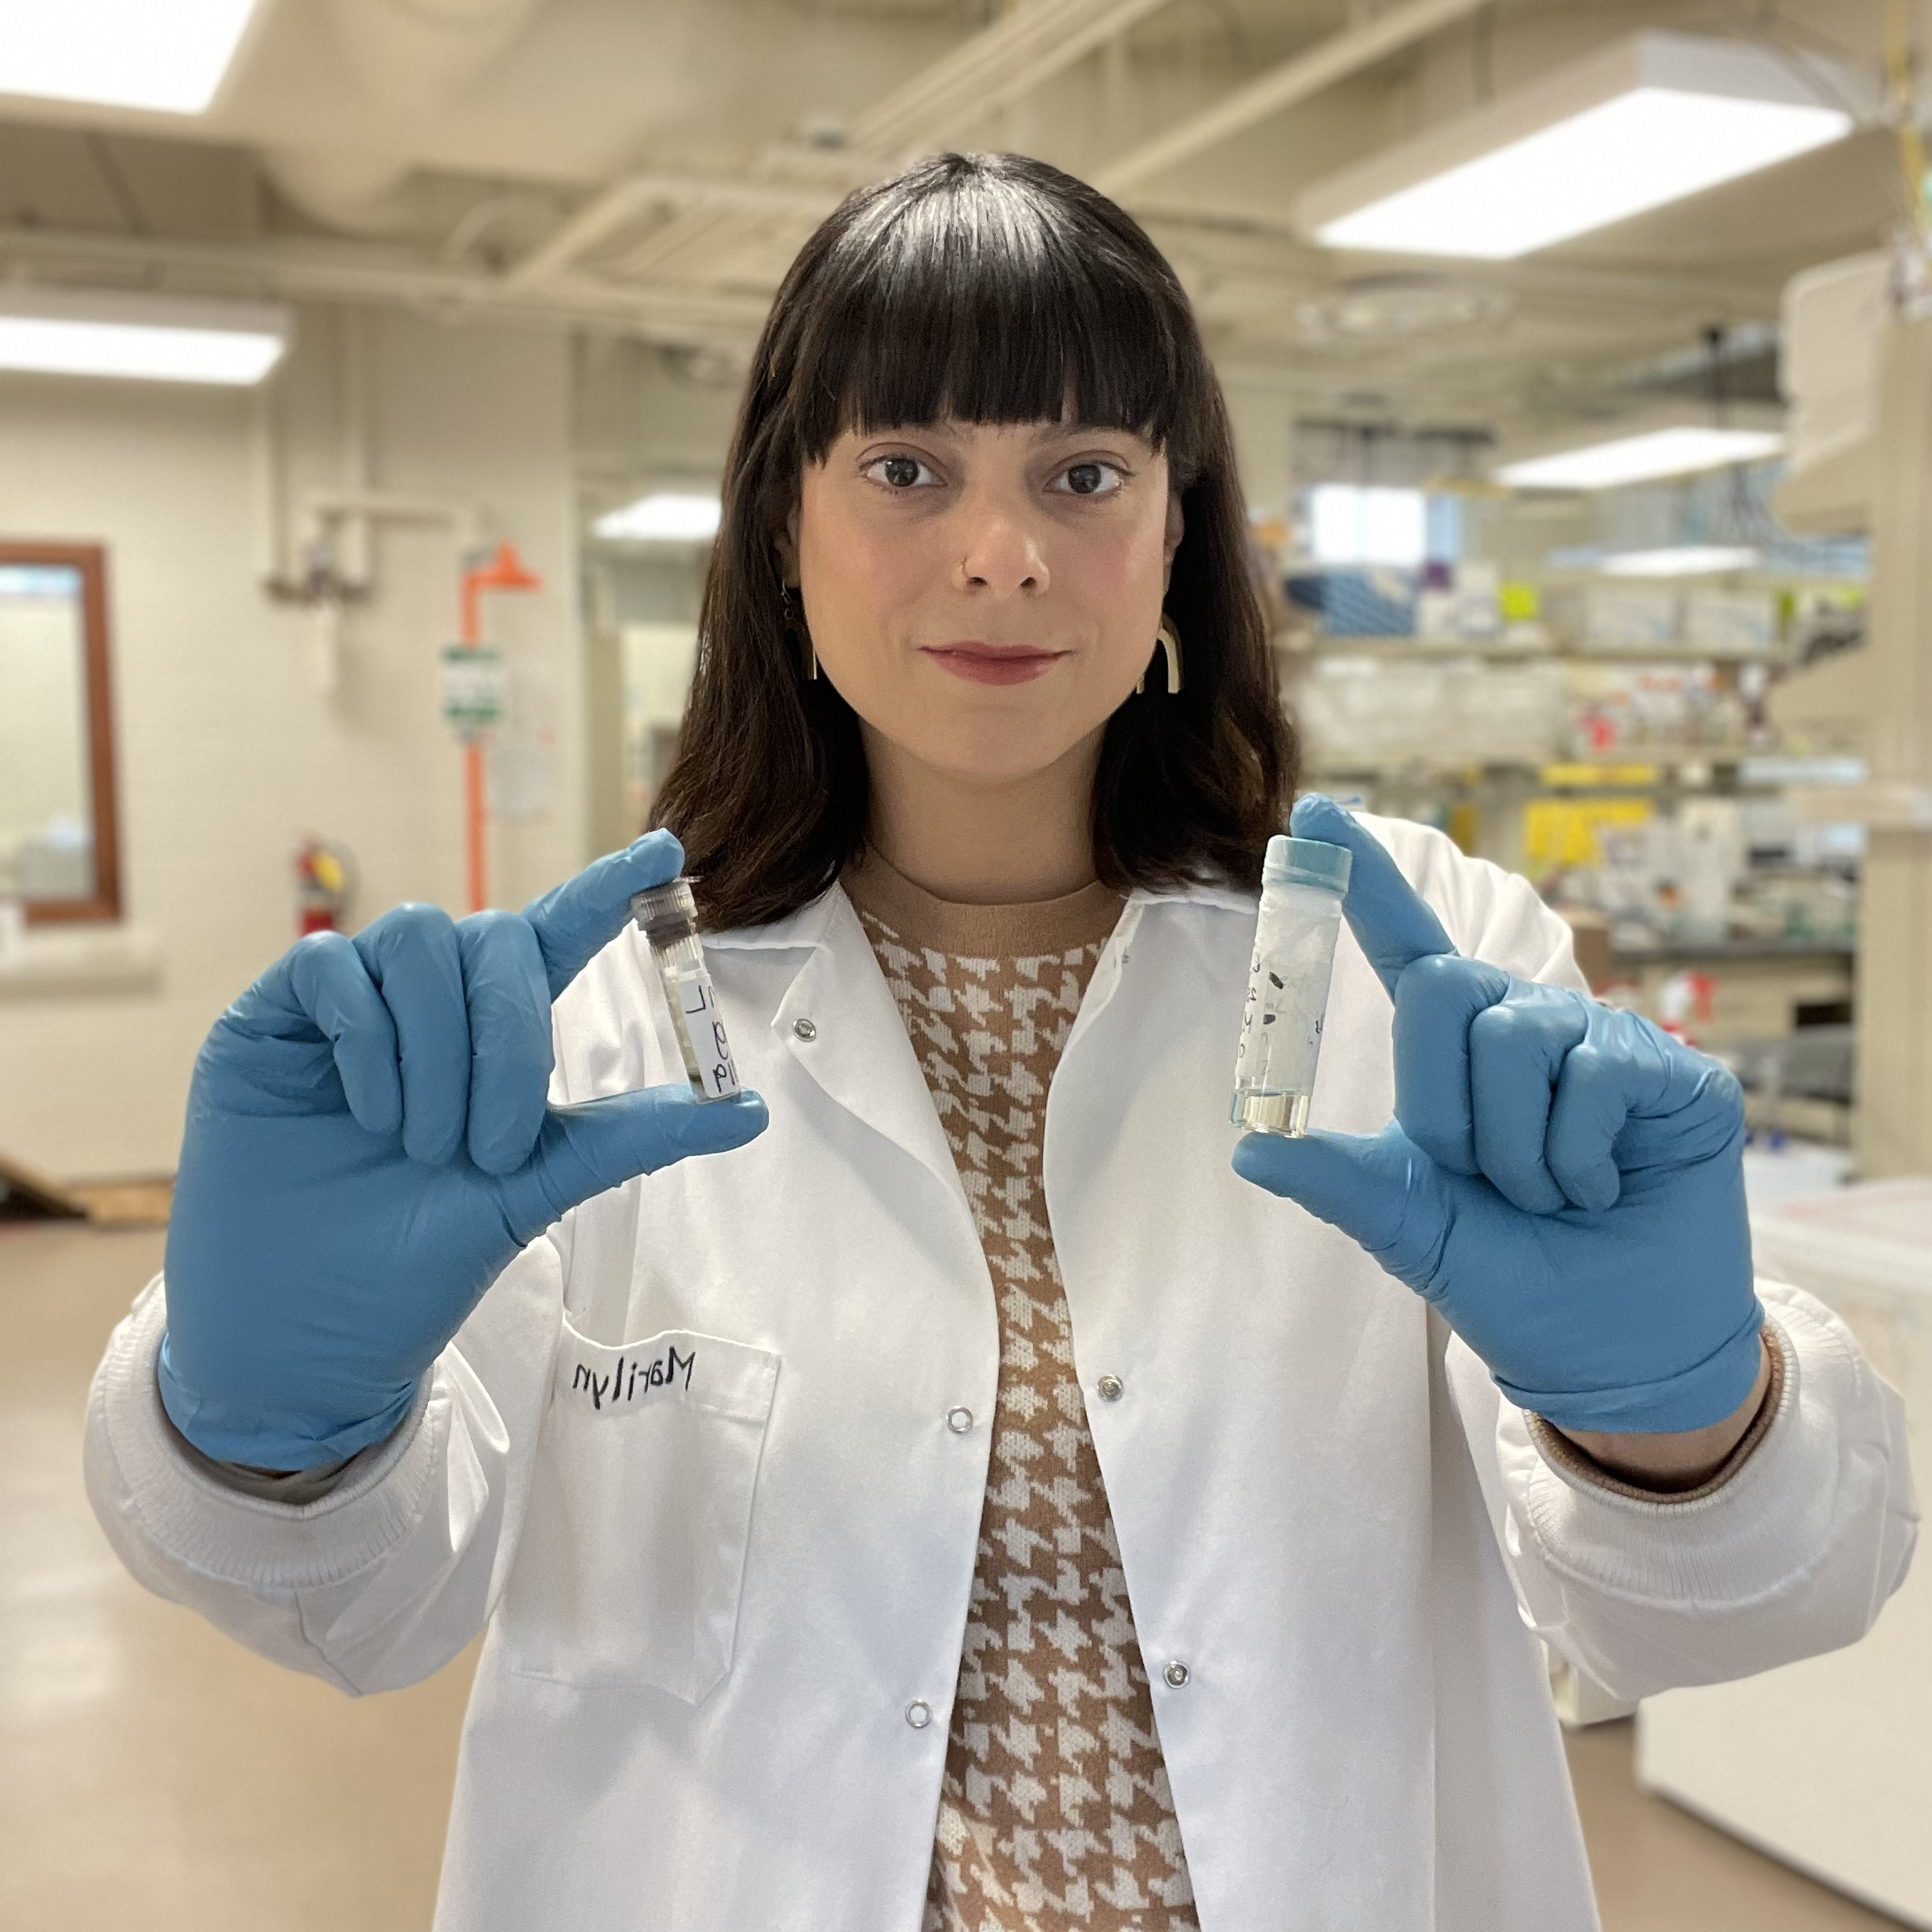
1003,557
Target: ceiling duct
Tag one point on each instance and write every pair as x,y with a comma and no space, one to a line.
408,53
416,52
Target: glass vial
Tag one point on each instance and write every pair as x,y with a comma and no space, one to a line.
668,916
1303,883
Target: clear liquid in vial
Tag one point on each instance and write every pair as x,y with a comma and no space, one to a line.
1261,1111
1287,1000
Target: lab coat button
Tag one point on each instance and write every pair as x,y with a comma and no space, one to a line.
1175,1674
1111,1388
804,1029
918,1714
958,1421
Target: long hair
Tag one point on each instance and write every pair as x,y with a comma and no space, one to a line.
986,289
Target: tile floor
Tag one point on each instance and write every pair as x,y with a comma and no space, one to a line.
153,1773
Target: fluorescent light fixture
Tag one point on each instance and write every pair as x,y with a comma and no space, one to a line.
77,332
663,516
1353,525
168,56
1681,450
1682,559
1648,120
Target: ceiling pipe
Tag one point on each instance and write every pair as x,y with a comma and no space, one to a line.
683,317
623,200
992,69
1297,78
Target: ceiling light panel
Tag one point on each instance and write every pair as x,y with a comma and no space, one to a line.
1652,120
1609,464
168,56
73,332
1683,560
663,516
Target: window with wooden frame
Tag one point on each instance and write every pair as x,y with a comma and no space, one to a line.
59,830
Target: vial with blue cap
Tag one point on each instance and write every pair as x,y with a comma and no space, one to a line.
1303,881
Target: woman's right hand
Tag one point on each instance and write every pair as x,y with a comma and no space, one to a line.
368,1144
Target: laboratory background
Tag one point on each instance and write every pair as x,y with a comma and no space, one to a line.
366,371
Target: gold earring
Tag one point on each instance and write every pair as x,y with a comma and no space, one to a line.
795,627
1167,641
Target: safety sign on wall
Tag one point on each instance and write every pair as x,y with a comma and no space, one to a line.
473,687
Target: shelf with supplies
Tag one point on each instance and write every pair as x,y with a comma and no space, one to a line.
1723,768
1730,767
1601,717
1688,951
1308,644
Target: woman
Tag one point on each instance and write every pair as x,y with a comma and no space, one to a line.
972,1501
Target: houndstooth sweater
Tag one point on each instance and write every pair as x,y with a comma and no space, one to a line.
1054,1811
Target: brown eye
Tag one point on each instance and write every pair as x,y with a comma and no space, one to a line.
902,475
1088,479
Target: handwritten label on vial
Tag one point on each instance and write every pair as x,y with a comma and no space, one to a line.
711,1051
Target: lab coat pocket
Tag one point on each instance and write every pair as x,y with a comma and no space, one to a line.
632,1555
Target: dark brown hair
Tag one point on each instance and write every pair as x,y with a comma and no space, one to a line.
986,289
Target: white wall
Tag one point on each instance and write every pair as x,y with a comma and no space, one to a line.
228,752
1261,411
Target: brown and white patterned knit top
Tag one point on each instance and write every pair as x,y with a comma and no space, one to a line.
1054,1811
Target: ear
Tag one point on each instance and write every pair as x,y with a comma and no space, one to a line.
786,543
1176,529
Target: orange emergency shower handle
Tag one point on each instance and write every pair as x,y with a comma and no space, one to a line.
506,570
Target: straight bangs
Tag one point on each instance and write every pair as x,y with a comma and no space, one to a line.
976,299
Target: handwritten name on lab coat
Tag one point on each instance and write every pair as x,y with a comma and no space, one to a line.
630,1380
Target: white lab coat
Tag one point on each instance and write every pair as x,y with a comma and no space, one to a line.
719,1594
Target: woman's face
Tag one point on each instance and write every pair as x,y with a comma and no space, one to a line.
984,597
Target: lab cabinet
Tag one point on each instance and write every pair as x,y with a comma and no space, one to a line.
1827,1765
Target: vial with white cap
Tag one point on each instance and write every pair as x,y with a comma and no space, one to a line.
668,915
1303,883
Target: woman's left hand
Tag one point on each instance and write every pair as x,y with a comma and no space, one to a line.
1563,1181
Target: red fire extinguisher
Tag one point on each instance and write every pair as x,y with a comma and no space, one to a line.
324,886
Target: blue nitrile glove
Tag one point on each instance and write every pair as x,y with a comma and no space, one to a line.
1563,1181
368,1147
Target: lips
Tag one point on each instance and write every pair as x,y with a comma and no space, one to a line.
980,663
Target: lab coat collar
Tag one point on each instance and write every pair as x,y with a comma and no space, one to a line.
807,927
811,925
841,997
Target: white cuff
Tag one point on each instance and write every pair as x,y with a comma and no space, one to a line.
1575,1464
153,1492
1748,1539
